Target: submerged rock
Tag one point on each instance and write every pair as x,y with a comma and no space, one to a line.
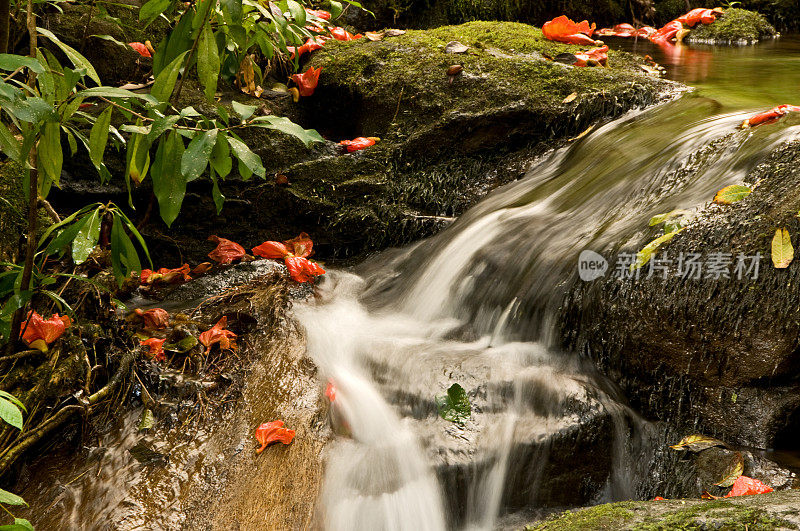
735,26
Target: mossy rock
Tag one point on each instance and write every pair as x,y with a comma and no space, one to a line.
13,211
735,26
782,14
762,512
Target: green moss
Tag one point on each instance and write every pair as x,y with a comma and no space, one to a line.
717,514
12,210
609,516
735,26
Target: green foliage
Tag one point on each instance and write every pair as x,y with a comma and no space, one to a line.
454,406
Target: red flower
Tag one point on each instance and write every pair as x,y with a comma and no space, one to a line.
324,15
341,34
226,250
359,143
271,432
645,31
302,270
330,391
300,245
599,55
307,81
770,116
35,328
153,319
658,498
218,334
706,16
312,44
201,269
624,30
562,29
156,347
274,250
744,486
166,276
141,48
667,33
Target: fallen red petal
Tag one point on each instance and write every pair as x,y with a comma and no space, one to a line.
300,245
274,250
217,334
271,432
47,330
330,391
745,486
156,347
141,48
226,251
562,29
357,144
155,318
302,270
324,15
307,81
165,276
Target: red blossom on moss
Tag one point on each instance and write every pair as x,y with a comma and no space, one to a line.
156,348
594,57
153,319
666,33
695,16
562,29
270,432
226,251
341,34
141,48
36,328
219,335
307,81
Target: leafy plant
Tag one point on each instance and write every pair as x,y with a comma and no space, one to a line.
454,406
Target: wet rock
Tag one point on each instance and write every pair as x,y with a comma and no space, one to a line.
736,27
777,510
718,356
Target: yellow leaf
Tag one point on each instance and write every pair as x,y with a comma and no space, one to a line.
731,194
782,250
39,344
697,443
733,472
570,98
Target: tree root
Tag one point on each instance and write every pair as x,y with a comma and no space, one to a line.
28,439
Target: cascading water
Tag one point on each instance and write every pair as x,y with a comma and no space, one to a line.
478,305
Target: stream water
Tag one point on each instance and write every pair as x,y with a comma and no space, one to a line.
478,303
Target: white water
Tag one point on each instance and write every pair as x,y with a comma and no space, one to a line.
477,305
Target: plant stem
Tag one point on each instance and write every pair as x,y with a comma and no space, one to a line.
177,94
5,21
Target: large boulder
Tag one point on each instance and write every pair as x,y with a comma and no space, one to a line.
716,355
446,141
735,26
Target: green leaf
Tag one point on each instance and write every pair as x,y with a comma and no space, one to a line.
66,236
249,159
12,62
86,239
245,111
9,498
10,145
13,399
731,194
335,8
208,62
169,183
147,420
454,406
216,193
297,11
49,156
135,232
77,59
152,9
165,81
124,259
285,125
138,157
195,158
113,92
358,5
10,413
160,125
177,42
221,156
98,137
733,472
647,252
782,250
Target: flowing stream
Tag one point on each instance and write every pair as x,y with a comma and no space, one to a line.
478,305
